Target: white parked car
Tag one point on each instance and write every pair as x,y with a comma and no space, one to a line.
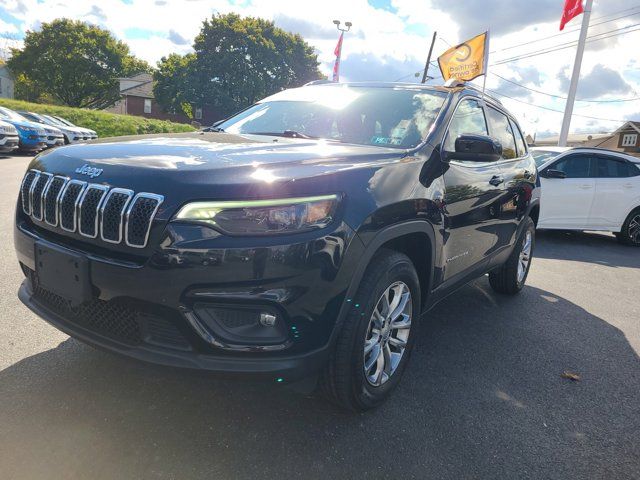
88,134
70,135
8,137
590,189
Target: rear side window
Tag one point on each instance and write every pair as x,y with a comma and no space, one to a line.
468,119
574,166
521,145
608,167
501,129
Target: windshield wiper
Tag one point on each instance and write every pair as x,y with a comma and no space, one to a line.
286,133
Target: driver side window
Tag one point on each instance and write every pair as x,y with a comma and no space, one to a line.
574,166
467,119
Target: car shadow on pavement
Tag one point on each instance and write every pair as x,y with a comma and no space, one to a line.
483,398
590,247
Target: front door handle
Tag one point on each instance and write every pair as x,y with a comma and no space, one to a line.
585,186
496,180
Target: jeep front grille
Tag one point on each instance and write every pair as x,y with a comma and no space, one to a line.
89,209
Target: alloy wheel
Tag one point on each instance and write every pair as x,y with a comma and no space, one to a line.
634,229
525,257
387,334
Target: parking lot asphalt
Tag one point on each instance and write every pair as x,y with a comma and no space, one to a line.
483,396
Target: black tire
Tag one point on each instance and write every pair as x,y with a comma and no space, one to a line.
505,279
630,233
343,380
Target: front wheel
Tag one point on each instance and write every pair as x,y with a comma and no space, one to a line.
630,233
377,336
511,277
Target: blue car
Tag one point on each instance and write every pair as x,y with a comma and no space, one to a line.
31,136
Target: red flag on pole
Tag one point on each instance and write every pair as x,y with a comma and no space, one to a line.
338,53
572,8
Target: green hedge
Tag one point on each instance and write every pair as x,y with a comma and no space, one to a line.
106,124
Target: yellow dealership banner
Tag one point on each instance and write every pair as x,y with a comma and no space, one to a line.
467,60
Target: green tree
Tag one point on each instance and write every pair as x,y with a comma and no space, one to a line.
75,63
174,88
237,61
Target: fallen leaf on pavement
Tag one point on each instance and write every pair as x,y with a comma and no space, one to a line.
571,376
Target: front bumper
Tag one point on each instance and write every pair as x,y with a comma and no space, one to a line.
54,141
8,142
32,142
301,281
289,368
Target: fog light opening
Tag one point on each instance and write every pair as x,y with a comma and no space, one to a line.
267,319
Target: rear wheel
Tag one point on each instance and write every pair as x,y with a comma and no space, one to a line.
377,337
511,277
630,233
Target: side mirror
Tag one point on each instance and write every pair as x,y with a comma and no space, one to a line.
476,148
551,173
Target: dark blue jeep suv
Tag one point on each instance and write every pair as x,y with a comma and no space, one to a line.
304,236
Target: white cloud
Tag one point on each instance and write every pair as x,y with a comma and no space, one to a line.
390,43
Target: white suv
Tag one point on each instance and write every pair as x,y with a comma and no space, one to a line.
590,189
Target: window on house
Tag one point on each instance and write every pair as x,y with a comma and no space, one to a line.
147,105
629,139
198,113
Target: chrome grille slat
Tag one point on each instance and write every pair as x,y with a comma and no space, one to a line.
25,189
37,189
112,213
140,214
69,201
117,215
90,204
51,199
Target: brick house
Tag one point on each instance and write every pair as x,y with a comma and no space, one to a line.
137,99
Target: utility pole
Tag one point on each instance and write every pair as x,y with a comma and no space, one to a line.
426,67
573,88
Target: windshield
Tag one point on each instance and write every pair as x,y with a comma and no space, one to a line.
10,114
542,156
64,122
391,117
32,117
54,121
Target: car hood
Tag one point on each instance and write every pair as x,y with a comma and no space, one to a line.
211,165
24,123
9,128
53,130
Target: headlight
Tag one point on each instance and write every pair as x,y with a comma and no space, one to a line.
263,217
27,129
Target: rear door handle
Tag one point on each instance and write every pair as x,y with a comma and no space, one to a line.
627,185
496,180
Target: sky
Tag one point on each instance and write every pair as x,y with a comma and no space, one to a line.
390,39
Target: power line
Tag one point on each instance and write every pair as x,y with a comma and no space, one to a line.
553,109
572,30
591,39
634,99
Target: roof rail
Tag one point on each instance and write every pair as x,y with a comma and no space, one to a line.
318,82
454,82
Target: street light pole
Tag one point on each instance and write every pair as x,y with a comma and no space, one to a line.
338,50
